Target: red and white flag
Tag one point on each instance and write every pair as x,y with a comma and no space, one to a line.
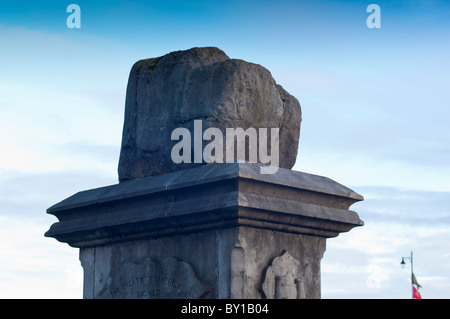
415,287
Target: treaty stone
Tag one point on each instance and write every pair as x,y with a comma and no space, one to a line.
204,84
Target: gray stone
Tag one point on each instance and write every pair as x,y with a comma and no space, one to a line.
204,84
280,278
215,231
145,277
206,197
238,263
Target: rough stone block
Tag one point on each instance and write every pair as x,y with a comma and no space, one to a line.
204,84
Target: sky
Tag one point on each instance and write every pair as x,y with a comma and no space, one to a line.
375,108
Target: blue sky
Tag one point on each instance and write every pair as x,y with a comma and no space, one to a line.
375,106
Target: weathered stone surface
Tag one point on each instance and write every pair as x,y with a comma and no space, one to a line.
236,263
147,278
280,278
215,231
204,84
203,198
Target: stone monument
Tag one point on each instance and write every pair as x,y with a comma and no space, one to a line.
194,216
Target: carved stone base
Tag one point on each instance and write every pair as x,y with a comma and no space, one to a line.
218,231
238,262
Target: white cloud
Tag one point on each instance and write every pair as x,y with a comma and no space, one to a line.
71,89
32,266
371,254
351,168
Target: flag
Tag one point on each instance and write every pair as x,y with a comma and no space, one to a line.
416,294
414,281
415,287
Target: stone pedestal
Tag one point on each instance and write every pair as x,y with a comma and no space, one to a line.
216,231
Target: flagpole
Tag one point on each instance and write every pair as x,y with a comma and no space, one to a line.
403,264
412,273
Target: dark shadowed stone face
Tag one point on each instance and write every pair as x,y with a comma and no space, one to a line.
206,86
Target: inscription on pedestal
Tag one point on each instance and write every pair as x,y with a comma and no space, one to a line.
156,279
